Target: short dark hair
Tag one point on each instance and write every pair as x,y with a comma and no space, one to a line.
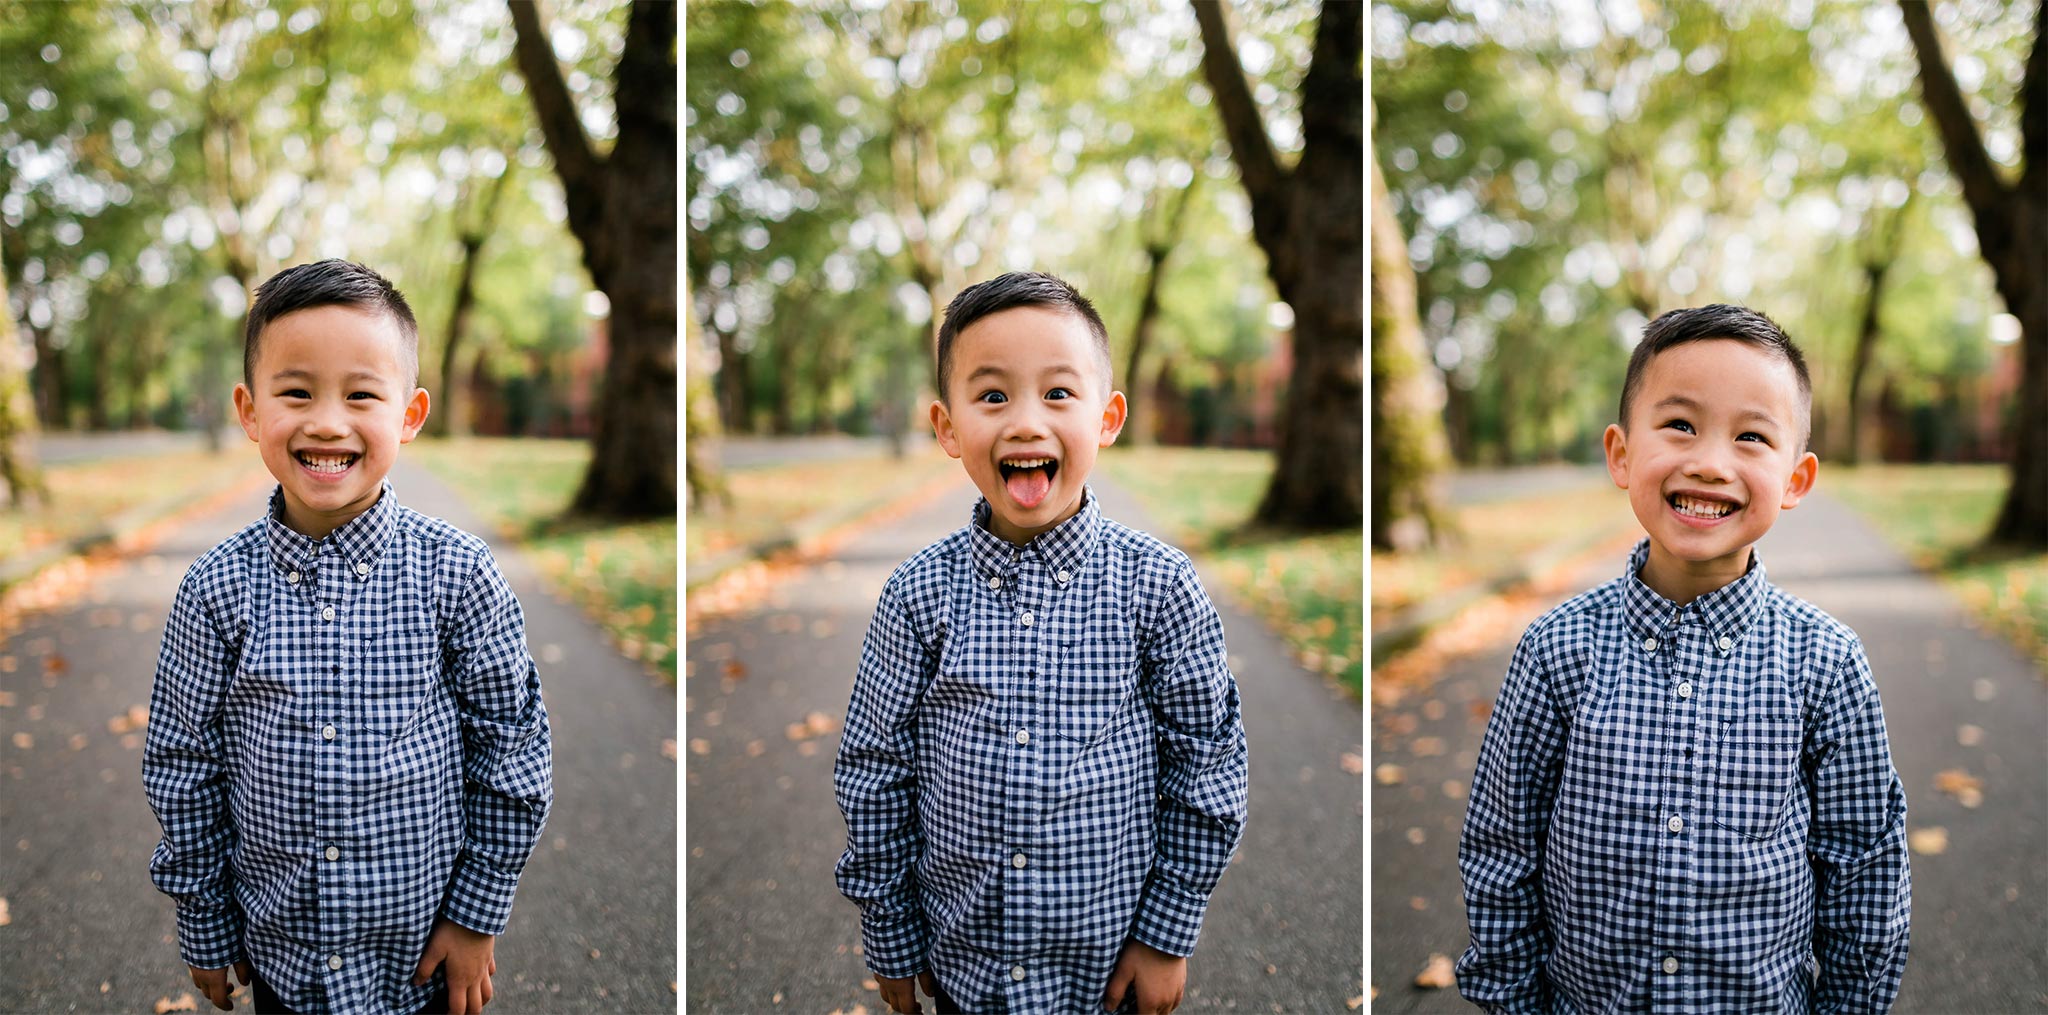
1718,320
333,282
1007,292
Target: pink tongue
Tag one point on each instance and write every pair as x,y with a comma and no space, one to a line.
1029,486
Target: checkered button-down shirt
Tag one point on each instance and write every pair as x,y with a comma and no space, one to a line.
346,741
1043,757
1683,809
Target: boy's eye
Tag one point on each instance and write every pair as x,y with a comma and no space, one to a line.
1752,435
293,393
1679,424
1059,394
992,397
362,394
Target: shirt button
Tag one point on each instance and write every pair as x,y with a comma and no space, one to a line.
1676,824
1649,644
327,613
1025,619
327,732
1063,576
995,583
293,578
333,853
1018,861
1684,689
1726,643
1670,964
1016,972
334,962
363,569
1023,736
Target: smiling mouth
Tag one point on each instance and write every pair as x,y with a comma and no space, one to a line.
327,463
1703,508
1028,479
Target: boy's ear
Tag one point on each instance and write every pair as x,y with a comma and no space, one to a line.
416,409
1800,483
1616,442
942,426
1113,416
245,409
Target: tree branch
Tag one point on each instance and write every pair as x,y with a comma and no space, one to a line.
1959,138
1335,75
582,172
2033,101
1264,181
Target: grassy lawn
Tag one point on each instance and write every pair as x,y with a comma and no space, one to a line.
623,576
766,501
85,496
1492,536
1938,514
1307,587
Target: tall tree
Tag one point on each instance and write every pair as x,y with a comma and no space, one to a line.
1307,219
21,479
622,207
2011,219
1408,446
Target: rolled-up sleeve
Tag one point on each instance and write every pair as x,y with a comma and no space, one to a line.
184,775
1203,773
507,763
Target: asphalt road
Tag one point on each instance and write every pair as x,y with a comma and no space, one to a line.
1980,908
593,929
767,929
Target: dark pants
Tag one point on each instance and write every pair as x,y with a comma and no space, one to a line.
266,1002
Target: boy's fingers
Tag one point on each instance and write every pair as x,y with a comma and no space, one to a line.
487,986
428,961
242,973
475,993
1119,982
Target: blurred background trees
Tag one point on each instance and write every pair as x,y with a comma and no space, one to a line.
852,168
1562,172
158,160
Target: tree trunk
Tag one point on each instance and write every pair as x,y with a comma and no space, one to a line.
451,411
2011,219
1307,221
21,477
1877,265
622,208
707,491
735,384
49,378
1140,429
1407,397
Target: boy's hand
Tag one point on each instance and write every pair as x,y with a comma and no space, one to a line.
467,954
901,994
214,984
1158,978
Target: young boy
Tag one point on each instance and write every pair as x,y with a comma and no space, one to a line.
1043,766
1685,800
347,748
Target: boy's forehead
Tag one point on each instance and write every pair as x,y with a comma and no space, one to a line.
366,335
1681,366
1026,339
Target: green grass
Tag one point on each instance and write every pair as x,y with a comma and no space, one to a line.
85,496
1938,515
1307,587
1492,536
622,575
766,501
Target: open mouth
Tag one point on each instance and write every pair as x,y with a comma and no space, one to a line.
1028,479
326,463
1703,507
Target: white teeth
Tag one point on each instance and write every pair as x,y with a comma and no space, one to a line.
1028,463
326,463
1701,508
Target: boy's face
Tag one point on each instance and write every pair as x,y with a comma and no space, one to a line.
1026,408
331,404
1710,456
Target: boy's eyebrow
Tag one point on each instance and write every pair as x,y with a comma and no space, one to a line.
297,374
1682,402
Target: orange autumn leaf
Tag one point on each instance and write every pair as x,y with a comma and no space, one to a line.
1438,974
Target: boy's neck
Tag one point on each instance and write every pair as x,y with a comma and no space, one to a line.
1683,581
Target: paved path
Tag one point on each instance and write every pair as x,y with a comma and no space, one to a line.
594,926
767,929
1980,910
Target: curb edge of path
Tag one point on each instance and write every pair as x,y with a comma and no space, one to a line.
811,534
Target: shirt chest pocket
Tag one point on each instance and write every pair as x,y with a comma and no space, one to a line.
1096,683
401,674
1756,767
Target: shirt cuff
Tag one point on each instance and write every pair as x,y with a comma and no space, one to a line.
479,898
210,937
1169,916
895,944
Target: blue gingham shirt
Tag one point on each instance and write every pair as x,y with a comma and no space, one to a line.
346,741
1043,757
1686,809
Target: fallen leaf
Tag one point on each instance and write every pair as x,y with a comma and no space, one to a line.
131,741
6,699
795,731
1433,710
119,724
1968,736
818,724
1354,1003
699,745
4,918
594,953
864,985
185,1002
78,741
105,986
808,748
1932,841
1439,974
734,669
777,999
55,664
138,717
1389,774
1271,969
1427,747
24,741
756,748
1418,903
1417,836
668,748
1481,710
35,713
1352,763
1966,788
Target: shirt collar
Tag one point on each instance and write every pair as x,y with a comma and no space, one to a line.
1063,547
361,539
1724,612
